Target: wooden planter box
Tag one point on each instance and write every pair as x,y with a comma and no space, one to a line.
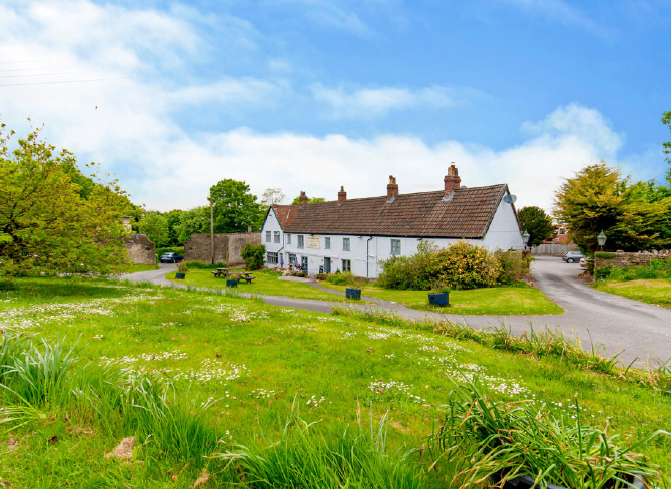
440,300
353,293
180,275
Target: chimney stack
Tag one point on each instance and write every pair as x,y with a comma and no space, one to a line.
342,195
304,198
452,180
392,189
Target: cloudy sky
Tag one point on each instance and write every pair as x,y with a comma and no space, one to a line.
314,94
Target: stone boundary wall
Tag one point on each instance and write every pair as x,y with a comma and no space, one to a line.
624,259
227,247
141,249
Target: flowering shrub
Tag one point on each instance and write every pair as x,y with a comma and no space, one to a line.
253,255
461,266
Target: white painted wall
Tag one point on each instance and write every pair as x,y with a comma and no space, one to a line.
503,234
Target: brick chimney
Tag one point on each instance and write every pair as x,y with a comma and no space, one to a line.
304,198
342,195
392,188
452,180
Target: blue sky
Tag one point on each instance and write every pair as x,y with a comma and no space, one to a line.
314,94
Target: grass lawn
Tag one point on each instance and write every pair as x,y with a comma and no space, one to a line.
265,283
240,365
497,301
139,267
651,291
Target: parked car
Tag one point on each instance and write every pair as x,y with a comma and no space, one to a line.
583,262
572,256
170,257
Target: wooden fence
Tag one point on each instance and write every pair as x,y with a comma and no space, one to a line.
554,249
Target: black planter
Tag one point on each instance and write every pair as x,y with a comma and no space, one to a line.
440,300
528,482
179,275
352,293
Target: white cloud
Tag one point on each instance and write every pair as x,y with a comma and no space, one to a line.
367,103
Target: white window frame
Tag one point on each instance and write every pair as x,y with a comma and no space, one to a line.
276,236
288,238
396,242
268,236
301,241
272,258
346,265
345,244
327,243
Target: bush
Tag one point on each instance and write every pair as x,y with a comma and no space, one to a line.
605,255
336,279
658,268
515,266
461,266
182,267
254,256
202,265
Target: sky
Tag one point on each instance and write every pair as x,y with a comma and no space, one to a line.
314,94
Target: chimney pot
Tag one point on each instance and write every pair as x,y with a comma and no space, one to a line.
452,180
342,195
303,198
392,188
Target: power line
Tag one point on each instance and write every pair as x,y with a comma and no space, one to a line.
16,62
33,69
64,81
47,74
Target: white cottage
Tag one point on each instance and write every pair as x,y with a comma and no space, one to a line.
356,234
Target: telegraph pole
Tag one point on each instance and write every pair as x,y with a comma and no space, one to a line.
211,231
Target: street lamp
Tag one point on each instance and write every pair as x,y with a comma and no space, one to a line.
601,239
525,238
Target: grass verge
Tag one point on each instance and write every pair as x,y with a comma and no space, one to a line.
655,291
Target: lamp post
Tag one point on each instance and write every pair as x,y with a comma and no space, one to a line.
525,238
601,239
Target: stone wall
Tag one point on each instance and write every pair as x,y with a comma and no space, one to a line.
227,247
141,249
626,258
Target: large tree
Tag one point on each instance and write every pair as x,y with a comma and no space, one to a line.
235,208
155,226
49,220
193,221
537,223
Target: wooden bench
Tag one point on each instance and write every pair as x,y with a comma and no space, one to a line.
248,279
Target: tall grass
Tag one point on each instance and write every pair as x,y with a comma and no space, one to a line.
306,458
484,440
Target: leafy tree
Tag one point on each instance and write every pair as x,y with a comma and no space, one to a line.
235,208
254,255
311,200
193,221
155,226
537,223
48,222
173,222
272,196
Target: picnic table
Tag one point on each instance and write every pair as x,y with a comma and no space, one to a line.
246,276
220,272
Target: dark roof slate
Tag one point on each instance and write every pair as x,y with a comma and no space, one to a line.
467,214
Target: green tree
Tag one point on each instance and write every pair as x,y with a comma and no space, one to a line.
311,200
193,221
235,208
47,222
173,218
537,223
155,226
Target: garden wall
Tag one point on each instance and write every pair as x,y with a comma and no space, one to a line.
622,259
141,249
227,247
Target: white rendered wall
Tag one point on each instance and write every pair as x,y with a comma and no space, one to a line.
504,232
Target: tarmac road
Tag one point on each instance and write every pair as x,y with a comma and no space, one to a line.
639,332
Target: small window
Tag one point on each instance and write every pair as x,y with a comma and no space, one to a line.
277,236
267,236
327,243
395,246
304,262
301,241
345,244
346,265
292,259
288,239
271,258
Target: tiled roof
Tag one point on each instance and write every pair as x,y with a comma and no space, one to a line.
467,214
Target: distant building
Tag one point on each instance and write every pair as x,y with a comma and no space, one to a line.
356,234
561,235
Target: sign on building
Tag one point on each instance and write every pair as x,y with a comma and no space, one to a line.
313,242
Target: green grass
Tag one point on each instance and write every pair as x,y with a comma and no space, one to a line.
139,267
655,291
265,283
254,365
499,301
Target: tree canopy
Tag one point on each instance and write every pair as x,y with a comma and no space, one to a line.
537,223
193,221
155,226
235,208
52,218
311,200
272,196
633,216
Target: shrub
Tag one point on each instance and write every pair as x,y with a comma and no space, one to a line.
202,265
515,266
253,255
336,279
182,267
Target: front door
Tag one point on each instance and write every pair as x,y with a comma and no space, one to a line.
327,265
304,262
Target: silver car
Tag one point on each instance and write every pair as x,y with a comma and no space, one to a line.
572,256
